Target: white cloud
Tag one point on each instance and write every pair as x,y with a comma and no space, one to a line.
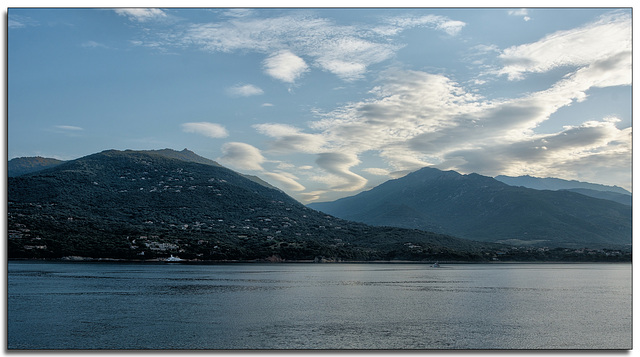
344,50
286,179
377,171
568,153
239,12
285,66
417,119
597,41
520,12
141,14
289,139
245,90
19,21
338,165
401,23
211,130
69,127
93,44
451,27
312,196
68,130
242,156
14,24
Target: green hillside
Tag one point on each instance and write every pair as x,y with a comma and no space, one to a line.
145,205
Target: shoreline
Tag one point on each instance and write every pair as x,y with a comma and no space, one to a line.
303,261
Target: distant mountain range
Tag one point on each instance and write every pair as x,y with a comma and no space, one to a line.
24,165
151,204
555,184
482,208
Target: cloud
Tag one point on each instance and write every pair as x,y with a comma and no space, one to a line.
285,66
289,139
338,165
19,21
312,196
398,24
242,156
597,41
238,12
244,90
416,119
141,14
562,154
377,171
286,179
344,50
13,23
520,12
93,44
211,130
69,127
68,130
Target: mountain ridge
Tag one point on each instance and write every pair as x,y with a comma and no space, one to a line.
554,184
23,165
143,205
482,208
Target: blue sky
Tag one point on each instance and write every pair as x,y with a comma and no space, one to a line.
325,103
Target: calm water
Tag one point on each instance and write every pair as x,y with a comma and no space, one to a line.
318,306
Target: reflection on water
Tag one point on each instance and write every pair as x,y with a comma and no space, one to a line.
318,306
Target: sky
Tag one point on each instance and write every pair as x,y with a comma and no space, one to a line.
327,102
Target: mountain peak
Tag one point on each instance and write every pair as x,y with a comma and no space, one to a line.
144,205
478,207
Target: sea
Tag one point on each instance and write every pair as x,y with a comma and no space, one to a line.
334,306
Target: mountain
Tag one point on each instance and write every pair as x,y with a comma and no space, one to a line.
605,195
150,204
24,165
184,155
555,184
482,208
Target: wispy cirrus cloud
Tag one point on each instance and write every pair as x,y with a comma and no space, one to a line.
69,127
344,50
68,130
141,14
396,24
18,21
94,44
212,130
520,12
597,41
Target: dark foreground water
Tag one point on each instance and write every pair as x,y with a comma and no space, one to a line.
318,306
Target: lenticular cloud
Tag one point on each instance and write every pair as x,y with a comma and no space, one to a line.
211,130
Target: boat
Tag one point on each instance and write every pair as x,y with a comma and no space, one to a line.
435,265
173,259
